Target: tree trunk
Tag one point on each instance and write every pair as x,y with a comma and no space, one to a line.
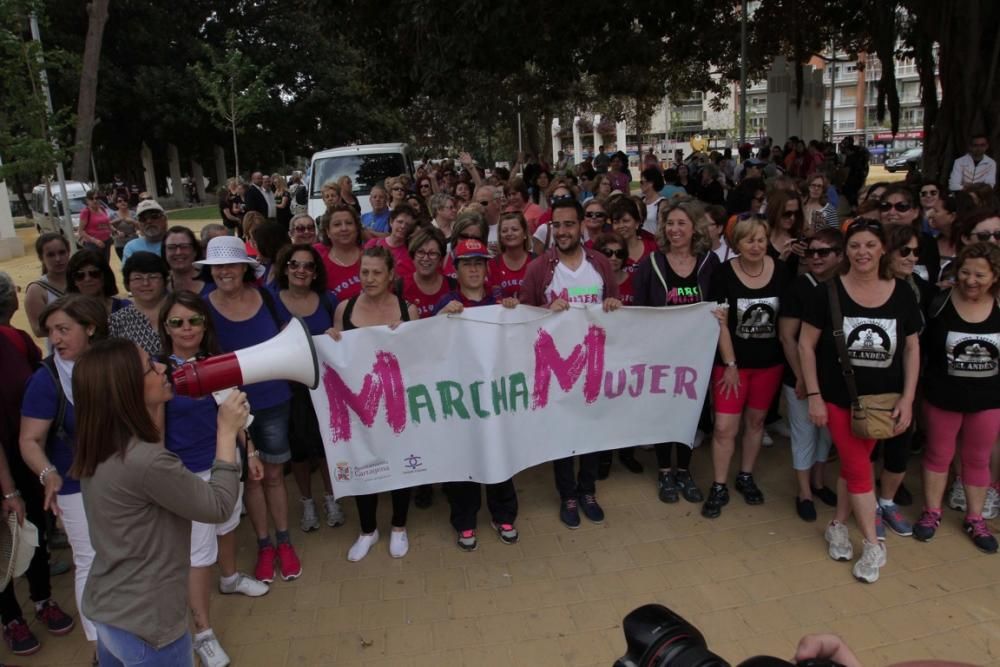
236,152
97,11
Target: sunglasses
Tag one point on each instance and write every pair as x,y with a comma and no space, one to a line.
621,253
900,206
928,193
150,366
83,274
146,217
296,264
173,247
789,214
600,215
986,236
906,251
822,253
178,322
303,229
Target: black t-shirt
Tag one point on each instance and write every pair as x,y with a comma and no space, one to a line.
874,336
753,315
793,304
963,360
682,289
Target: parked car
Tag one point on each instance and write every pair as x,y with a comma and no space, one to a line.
367,165
906,161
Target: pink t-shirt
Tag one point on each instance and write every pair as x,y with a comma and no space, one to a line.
96,224
404,265
343,281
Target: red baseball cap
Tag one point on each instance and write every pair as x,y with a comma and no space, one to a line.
469,249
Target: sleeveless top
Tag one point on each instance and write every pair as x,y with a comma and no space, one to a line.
51,291
404,313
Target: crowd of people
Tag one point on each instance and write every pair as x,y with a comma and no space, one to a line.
831,295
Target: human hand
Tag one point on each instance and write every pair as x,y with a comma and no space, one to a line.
800,389
395,325
611,304
722,314
333,333
465,159
510,302
13,504
903,414
817,411
255,469
730,381
452,308
825,647
233,413
53,483
559,305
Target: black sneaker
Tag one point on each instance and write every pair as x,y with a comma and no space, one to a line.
424,496
903,497
569,513
668,488
806,509
980,534
604,465
591,510
718,497
54,619
746,486
827,495
19,639
927,525
633,466
688,488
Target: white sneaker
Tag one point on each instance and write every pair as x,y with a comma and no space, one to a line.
361,547
209,650
244,585
765,440
309,521
399,543
334,513
956,497
991,508
873,557
839,541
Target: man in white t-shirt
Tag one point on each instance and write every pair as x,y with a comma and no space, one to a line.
974,167
569,273
488,197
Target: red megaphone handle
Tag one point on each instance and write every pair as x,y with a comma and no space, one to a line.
204,377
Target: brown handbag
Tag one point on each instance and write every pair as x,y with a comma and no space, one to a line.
871,414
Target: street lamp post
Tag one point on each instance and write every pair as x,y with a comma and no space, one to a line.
743,75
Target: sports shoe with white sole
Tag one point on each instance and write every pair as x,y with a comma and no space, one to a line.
244,585
956,496
334,512
873,558
309,521
209,650
839,541
362,546
399,543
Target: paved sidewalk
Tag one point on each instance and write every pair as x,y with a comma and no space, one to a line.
752,581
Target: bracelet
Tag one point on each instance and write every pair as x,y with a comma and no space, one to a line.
730,364
13,494
253,454
45,471
812,393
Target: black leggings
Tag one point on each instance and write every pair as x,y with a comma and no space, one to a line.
39,585
368,507
664,455
895,452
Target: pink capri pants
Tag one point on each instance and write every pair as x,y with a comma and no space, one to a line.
978,431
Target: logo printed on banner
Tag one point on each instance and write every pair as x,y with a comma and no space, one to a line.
413,463
343,471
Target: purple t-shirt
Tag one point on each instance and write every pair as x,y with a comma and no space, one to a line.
41,401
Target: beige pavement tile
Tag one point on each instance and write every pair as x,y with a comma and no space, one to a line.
361,590
767,617
469,604
546,652
594,615
317,596
651,553
339,618
454,634
427,609
557,591
409,639
610,560
402,585
383,613
497,655
724,595
585,649
549,622
502,628
268,654
489,575
539,546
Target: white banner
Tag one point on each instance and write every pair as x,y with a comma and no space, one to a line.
492,391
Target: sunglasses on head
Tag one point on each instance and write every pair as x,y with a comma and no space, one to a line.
906,251
178,322
822,253
296,264
83,274
900,206
986,236
863,224
621,253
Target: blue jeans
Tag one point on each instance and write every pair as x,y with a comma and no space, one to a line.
120,648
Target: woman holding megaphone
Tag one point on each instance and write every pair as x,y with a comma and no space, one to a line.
376,306
190,425
244,315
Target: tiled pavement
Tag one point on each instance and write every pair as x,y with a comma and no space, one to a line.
753,581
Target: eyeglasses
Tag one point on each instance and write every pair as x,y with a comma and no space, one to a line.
145,277
822,253
295,264
863,224
815,185
173,247
83,274
425,186
427,254
900,206
600,215
621,253
906,251
484,202
986,236
399,189
303,229
928,193
150,366
149,217
178,322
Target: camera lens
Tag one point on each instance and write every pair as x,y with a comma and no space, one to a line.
657,637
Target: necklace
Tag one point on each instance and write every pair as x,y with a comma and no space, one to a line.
744,270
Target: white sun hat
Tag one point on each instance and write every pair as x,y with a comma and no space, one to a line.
226,250
17,548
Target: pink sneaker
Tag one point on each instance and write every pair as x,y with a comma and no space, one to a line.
288,562
265,564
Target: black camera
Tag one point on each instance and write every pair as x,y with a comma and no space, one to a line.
657,637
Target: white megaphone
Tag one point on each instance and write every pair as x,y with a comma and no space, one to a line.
290,355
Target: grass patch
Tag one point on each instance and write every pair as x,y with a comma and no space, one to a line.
199,213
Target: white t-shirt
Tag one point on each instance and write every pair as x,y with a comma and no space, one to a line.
652,215
724,252
493,240
584,285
